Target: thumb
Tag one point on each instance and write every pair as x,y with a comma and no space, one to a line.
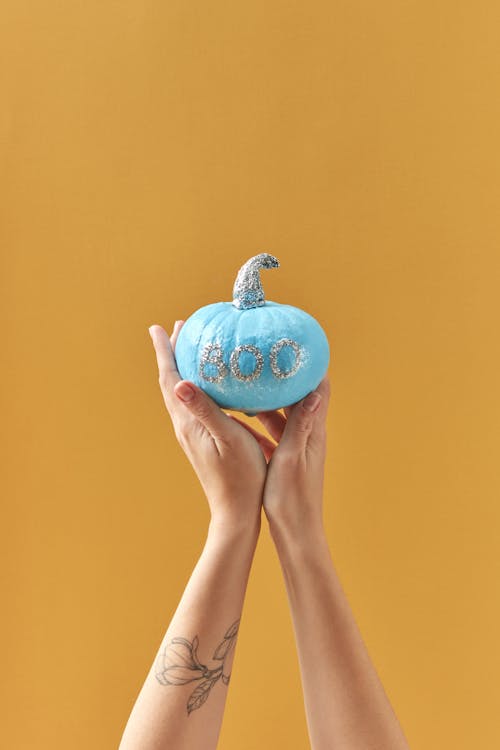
201,406
300,421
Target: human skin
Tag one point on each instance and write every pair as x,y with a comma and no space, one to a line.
181,703
345,702
242,470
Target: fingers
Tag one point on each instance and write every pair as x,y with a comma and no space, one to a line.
182,397
264,442
274,422
206,411
292,429
324,390
317,437
167,369
306,418
173,338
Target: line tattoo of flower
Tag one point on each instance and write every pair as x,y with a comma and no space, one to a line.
178,664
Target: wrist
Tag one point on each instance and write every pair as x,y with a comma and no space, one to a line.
239,529
291,540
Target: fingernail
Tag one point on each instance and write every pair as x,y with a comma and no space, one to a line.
185,392
312,402
150,331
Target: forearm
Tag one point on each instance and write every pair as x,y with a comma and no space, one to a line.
181,703
346,705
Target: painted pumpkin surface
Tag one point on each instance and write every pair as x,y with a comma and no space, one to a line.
252,354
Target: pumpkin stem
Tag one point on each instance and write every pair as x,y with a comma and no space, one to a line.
248,291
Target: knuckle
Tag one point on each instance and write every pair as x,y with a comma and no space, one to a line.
304,423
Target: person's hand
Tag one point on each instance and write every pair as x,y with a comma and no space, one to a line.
293,492
228,461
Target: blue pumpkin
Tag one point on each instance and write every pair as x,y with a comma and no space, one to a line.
252,354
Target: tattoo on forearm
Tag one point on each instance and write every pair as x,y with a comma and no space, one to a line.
178,664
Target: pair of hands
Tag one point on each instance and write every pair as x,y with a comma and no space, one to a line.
239,468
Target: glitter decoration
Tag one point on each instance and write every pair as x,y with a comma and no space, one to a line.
212,355
273,356
234,362
248,291
249,353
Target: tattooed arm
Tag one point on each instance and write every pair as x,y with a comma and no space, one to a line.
346,705
181,703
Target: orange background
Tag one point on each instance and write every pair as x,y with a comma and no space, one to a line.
147,150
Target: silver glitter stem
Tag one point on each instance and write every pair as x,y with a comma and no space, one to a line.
247,290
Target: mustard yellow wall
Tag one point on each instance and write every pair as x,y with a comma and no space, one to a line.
147,150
